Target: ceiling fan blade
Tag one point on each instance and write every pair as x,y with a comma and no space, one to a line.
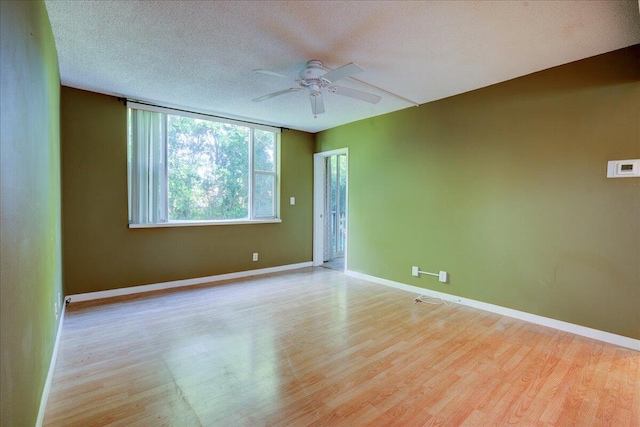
356,94
271,95
273,73
317,104
342,72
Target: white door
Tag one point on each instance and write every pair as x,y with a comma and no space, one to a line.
330,208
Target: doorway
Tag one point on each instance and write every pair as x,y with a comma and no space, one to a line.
330,209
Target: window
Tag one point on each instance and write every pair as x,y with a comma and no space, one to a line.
187,168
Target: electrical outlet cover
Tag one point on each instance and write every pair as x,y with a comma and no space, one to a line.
443,277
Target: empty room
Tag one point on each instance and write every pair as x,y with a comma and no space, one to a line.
297,213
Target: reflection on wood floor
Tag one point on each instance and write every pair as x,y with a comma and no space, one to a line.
316,347
335,264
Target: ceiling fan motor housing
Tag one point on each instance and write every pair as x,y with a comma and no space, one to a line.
313,71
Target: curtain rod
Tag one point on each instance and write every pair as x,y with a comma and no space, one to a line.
125,100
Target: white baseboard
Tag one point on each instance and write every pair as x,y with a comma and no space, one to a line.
183,283
584,331
52,367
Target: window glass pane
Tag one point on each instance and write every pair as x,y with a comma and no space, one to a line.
208,172
264,151
264,195
206,169
342,206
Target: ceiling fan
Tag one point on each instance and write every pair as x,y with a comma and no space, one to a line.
315,78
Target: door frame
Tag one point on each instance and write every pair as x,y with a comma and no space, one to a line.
319,170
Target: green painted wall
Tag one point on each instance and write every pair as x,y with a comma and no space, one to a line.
505,188
101,252
30,247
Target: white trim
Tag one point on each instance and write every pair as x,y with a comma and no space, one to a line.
318,209
318,205
201,223
584,331
52,366
183,283
332,152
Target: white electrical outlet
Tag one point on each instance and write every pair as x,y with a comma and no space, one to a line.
443,276
415,271
255,256
57,305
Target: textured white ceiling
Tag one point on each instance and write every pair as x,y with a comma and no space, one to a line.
200,55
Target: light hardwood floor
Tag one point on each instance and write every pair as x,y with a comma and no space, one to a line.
316,347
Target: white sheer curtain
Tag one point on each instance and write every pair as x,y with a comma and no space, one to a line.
148,168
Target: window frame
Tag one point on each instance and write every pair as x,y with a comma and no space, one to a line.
252,218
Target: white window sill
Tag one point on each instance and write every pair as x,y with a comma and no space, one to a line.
201,223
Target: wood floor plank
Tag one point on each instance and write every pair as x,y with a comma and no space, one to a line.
316,347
